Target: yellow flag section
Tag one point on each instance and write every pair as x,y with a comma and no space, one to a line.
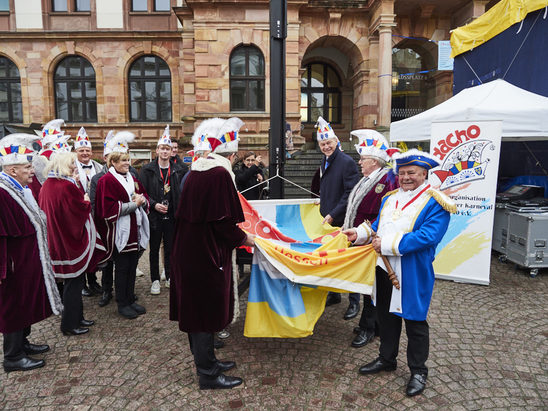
288,287
332,265
494,21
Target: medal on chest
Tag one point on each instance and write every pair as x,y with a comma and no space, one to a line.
397,213
166,188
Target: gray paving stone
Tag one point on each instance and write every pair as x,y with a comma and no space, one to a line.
488,351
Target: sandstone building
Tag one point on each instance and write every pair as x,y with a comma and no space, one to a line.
141,64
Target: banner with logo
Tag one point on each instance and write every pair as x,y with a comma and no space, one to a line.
469,153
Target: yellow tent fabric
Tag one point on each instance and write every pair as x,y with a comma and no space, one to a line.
497,19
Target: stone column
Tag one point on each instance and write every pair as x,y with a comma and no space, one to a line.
385,75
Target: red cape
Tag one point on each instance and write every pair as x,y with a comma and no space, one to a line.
23,295
71,231
109,197
206,232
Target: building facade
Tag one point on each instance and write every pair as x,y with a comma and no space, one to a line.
138,65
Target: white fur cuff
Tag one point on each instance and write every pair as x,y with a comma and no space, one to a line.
390,244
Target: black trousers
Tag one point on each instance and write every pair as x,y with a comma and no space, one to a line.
13,344
107,277
201,346
72,300
91,278
163,230
124,277
368,320
353,298
418,339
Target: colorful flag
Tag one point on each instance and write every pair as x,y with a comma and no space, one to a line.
296,261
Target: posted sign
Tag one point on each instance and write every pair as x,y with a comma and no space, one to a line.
469,155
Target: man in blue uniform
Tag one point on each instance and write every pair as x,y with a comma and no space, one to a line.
411,223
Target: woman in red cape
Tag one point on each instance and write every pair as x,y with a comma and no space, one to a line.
72,238
120,214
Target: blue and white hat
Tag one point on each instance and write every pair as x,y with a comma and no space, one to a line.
415,157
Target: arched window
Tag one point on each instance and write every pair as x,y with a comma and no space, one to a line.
75,95
320,94
149,90
11,107
247,79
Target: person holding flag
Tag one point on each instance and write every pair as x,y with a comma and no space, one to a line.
411,223
338,176
203,291
364,203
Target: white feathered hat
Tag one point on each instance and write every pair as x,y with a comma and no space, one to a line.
371,143
120,142
16,149
206,130
227,138
106,149
51,131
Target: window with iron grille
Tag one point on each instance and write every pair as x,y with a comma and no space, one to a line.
149,90
11,106
320,94
75,94
247,79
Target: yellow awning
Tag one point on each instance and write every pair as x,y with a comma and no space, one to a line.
497,19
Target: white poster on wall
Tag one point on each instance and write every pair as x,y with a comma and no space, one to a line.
469,154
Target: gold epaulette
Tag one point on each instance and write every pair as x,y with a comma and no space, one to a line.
443,200
390,193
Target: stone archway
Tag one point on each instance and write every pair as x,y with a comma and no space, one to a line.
344,56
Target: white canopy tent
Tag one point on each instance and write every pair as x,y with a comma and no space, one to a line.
524,114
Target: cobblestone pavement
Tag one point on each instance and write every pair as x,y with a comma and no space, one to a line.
488,351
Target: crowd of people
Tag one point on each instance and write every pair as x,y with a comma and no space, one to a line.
65,217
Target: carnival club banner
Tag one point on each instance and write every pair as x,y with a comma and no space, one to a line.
469,153
296,261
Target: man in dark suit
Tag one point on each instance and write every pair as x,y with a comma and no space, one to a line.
338,176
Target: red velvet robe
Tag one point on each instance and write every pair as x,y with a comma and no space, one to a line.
71,230
201,291
23,295
109,197
371,203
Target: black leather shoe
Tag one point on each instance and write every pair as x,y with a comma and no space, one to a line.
218,344
86,323
220,382
127,312
332,299
139,309
376,366
364,337
416,385
76,331
226,365
86,292
105,299
24,364
95,288
351,311
33,349
356,330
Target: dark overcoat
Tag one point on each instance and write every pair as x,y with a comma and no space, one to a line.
336,183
